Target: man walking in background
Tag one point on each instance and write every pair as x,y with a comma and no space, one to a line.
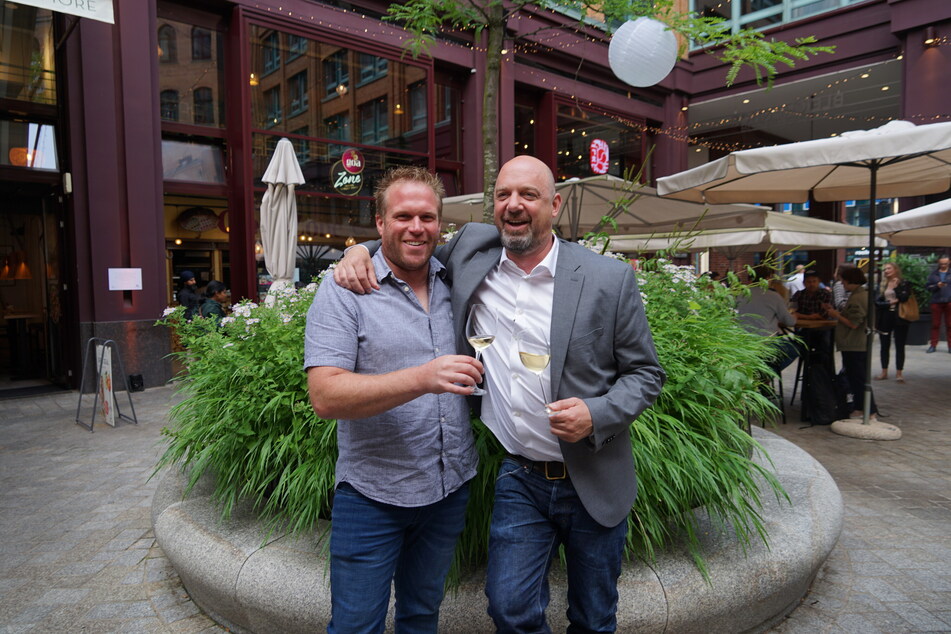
939,283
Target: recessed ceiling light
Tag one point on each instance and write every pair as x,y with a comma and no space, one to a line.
746,101
884,88
864,75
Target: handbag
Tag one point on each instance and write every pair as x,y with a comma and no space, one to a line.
908,310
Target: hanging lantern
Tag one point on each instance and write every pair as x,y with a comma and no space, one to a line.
642,52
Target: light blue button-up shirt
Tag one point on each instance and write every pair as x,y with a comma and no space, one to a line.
419,452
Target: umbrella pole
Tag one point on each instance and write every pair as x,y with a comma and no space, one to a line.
870,331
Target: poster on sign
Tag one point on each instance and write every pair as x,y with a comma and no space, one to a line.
599,156
106,395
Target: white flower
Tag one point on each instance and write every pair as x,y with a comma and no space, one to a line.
227,320
310,288
228,345
168,311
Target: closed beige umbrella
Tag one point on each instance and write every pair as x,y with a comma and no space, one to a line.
279,216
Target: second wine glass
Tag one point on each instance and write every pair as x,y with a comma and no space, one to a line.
535,354
480,331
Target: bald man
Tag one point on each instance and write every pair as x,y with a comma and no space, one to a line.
569,475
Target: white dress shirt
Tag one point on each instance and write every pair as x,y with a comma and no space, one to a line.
513,407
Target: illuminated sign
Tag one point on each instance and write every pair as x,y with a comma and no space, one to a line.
347,173
599,156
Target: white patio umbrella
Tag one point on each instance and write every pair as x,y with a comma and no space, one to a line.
927,226
635,207
279,216
754,231
897,159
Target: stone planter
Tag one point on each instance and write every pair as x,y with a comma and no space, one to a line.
250,580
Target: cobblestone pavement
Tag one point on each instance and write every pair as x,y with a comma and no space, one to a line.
77,552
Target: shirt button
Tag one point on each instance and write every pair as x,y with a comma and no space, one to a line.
437,350
517,414
442,419
406,289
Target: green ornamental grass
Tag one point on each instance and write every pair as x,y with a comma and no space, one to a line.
246,419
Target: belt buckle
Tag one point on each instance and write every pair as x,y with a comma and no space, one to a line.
564,472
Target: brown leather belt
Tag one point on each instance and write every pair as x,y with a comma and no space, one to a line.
549,470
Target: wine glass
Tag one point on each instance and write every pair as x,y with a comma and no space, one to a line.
480,331
535,354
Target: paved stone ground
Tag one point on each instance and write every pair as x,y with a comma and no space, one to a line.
891,570
77,552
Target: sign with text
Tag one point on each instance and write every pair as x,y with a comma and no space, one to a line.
100,10
347,173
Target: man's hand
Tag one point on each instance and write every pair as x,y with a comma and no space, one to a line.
570,419
355,271
446,373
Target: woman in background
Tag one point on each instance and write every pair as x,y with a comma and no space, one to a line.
850,338
217,294
892,291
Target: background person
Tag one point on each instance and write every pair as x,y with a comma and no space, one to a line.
939,283
188,295
839,295
766,312
892,291
850,336
216,296
810,301
385,365
569,479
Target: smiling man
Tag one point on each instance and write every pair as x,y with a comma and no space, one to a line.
384,365
569,477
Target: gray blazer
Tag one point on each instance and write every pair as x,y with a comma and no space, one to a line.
601,351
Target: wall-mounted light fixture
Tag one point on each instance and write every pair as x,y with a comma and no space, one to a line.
398,109
254,80
342,90
931,38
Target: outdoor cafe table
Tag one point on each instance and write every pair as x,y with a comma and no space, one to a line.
817,336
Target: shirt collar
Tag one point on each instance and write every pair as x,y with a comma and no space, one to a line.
383,270
547,265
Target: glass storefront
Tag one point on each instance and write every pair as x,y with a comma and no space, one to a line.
27,69
582,132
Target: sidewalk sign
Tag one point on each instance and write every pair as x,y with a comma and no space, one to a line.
105,401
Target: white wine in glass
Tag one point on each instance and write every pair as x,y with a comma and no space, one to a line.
480,331
535,354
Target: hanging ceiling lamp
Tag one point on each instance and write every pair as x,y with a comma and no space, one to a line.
642,52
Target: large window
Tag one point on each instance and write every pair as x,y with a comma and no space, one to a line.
204,106
374,122
26,54
578,128
191,86
372,68
169,105
297,89
337,127
272,105
201,44
336,74
417,106
272,53
761,14
167,44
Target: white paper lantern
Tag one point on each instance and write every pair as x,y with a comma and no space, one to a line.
642,52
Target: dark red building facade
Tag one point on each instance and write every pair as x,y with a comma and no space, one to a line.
140,145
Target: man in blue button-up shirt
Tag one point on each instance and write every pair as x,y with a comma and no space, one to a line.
385,365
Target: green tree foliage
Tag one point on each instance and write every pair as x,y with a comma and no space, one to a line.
424,19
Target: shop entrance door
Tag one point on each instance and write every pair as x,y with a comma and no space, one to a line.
31,303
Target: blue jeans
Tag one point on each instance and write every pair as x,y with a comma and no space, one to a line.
531,518
373,544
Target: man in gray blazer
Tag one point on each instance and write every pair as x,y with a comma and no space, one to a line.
569,478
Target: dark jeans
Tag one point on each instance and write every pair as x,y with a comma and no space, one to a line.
373,544
854,365
889,323
531,518
938,311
